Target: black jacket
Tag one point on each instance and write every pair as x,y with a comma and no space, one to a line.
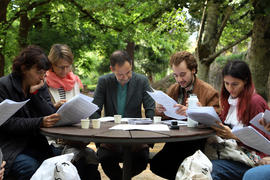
21,131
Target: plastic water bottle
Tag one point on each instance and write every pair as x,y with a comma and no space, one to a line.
192,103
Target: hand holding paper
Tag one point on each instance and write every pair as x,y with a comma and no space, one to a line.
265,116
167,102
79,107
205,115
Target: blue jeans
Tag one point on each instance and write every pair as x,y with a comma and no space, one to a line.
26,163
24,167
228,170
258,173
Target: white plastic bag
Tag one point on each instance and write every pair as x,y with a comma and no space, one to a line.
58,167
195,167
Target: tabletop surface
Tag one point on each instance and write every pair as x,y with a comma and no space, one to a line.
105,135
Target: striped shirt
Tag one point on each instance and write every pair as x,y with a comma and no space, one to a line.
62,93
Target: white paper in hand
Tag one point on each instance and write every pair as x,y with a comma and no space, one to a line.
252,138
255,120
204,115
79,107
8,108
167,102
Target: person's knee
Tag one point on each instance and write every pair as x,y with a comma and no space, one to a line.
26,170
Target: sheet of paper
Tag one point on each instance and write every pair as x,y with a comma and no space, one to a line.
79,107
150,127
106,119
205,115
266,116
252,138
167,102
255,121
8,108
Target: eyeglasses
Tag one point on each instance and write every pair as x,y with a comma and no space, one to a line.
64,67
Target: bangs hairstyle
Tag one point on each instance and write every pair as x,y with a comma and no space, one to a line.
181,56
240,70
60,51
29,57
120,57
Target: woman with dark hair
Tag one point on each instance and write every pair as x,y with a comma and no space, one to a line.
239,103
23,147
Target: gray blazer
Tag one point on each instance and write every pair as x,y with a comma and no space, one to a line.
106,94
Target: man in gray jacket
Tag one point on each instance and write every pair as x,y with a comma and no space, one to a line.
123,92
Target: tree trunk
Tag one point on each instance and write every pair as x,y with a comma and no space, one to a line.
130,50
23,30
259,53
209,43
3,32
203,71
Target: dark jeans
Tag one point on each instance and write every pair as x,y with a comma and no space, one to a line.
173,154
26,163
24,167
110,162
228,170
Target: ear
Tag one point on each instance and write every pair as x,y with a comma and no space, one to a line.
23,69
193,71
112,69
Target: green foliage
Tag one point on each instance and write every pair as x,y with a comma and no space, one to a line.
222,60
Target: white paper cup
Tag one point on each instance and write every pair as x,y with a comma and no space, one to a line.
96,123
85,123
191,123
156,119
117,118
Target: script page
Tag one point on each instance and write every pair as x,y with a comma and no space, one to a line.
252,138
8,108
79,107
255,120
167,102
204,115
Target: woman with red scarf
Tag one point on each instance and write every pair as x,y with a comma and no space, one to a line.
63,85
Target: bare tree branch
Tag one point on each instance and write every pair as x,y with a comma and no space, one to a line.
201,29
212,57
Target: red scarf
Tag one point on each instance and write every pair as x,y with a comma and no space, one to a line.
67,82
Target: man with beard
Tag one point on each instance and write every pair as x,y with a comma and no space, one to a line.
184,68
123,92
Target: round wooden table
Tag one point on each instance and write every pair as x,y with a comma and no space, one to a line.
127,138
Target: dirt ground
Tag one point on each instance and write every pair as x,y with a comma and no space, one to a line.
146,174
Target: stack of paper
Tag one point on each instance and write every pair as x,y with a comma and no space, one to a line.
167,102
79,107
8,108
205,115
